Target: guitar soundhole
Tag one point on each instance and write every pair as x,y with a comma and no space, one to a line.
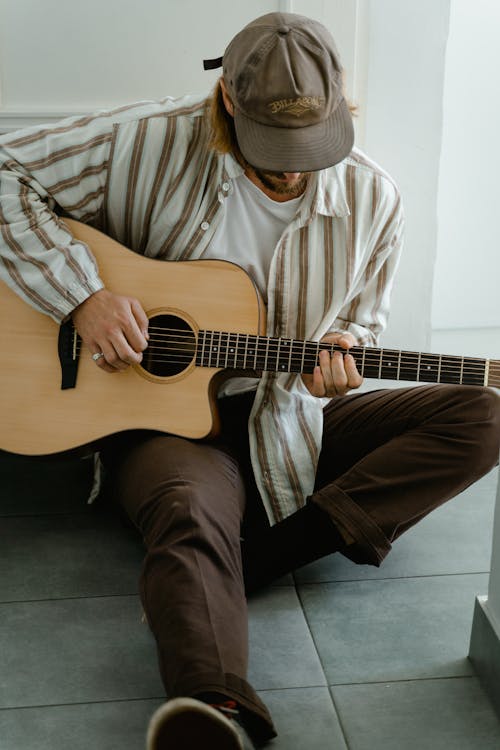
171,348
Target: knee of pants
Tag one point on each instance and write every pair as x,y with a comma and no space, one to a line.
172,483
481,410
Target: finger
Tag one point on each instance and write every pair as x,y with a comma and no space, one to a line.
101,361
346,341
339,375
325,363
354,379
103,365
130,341
119,354
318,387
142,321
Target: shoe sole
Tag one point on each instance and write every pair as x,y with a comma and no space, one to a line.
188,724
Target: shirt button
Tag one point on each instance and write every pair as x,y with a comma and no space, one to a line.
204,225
225,186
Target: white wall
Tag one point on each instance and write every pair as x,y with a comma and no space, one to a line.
395,61
68,55
466,285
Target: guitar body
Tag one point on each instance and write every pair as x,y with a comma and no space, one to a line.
38,417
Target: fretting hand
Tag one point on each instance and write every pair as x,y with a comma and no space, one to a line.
336,374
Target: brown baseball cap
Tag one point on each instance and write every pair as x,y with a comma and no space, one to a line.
284,77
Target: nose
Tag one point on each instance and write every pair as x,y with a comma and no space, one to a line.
292,176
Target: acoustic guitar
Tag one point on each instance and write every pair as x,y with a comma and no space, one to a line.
206,323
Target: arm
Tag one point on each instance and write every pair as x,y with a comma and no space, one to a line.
67,166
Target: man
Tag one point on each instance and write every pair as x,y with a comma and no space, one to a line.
264,175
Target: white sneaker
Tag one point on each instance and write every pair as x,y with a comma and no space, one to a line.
188,724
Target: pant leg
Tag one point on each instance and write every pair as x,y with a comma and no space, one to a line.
269,552
390,457
187,500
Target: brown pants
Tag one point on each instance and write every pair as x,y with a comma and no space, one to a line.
388,458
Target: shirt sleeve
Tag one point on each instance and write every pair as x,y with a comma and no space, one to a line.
42,168
365,315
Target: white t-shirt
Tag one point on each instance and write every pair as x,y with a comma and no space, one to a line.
250,229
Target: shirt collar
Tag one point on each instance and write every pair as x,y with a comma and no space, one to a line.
329,198
324,195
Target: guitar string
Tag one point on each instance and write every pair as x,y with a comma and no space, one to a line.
164,353
311,355
307,365
225,354
279,342
308,350
311,347
259,362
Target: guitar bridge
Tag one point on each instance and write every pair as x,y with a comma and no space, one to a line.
69,354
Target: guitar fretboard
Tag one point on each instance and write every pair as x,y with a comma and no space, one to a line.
262,353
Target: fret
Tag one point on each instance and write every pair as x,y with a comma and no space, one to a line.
450,369
409,366
246,352
216,347
203,334
231,350
308,360
389,364
262,353
296,356
209,349
371,366
266,367
276,365
261,347
429,368
236,350
285,352
256,353
272,352
474,371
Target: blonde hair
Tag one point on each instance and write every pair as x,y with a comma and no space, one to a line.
222,131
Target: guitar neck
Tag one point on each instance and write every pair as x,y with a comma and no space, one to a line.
265,354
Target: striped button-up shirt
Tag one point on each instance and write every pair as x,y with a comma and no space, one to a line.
145,175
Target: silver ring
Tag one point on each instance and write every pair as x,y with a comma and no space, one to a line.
97,356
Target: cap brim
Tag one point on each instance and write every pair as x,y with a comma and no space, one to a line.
301,149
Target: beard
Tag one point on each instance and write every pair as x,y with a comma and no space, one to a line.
275,181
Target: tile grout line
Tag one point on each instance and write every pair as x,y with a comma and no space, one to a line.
81,703
68,598
393,578
332,701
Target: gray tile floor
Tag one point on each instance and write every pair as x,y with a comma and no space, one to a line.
345,656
